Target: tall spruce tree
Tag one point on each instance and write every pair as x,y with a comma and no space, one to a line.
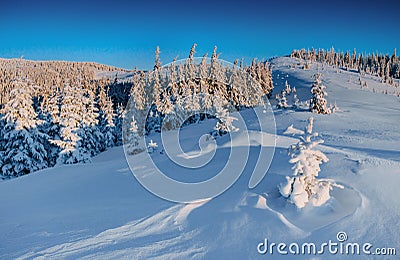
91,136
51,126
105,119
71,122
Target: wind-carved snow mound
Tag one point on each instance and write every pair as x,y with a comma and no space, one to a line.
143,233
343,203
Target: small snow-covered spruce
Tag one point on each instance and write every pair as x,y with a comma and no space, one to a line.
282,103
105,119
277,97
303,187
318,102
306,65
133,139
295,101
118,124
334,108
152,146
288,90
224,124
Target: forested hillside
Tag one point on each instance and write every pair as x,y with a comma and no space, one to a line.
55,112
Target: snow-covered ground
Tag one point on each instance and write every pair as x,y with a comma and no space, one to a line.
100,210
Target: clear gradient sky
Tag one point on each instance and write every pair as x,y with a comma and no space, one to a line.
125,33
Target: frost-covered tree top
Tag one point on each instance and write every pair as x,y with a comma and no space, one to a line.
19,109
106,108
318,102
157,62
191,69
287,87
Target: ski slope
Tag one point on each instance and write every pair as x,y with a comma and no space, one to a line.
100,210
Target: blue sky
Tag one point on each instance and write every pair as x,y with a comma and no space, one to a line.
125,33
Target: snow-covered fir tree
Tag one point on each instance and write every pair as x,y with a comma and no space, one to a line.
166,105
50,107
138,92
157,61
295,101
282,101
277,97
91,136
132,138
287,88
261,72
172,100
157,89
254,92
71,118
214,67
303,187
156,95
106,119
225,120
191,72
22,149
50,114
118,124
156,84
318,101
152,146
204,73
335,108
217,76
233,83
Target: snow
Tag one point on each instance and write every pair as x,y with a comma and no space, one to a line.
293,131
122,76
100,210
